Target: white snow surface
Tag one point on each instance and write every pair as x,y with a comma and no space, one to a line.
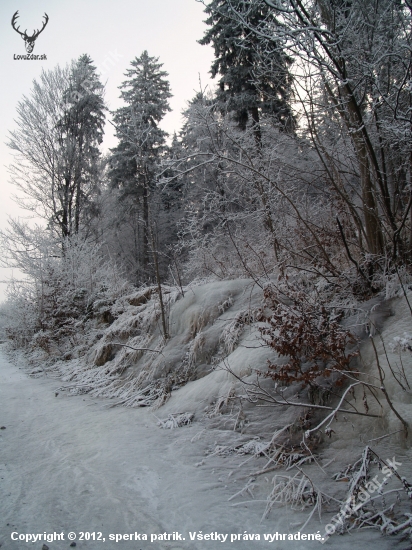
70,463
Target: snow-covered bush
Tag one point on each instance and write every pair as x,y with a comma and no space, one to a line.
63,283
19,315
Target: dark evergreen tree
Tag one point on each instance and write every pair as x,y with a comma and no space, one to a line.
243,89
81,131
141,142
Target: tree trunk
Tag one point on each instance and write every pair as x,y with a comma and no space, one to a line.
77,184
159,287
256,127
145,258
373,227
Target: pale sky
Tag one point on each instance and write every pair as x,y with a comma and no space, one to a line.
112,33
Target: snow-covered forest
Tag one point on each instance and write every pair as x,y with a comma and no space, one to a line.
252,272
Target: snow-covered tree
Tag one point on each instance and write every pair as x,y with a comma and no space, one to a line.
59,130
234,213
82,127
134,162
237,56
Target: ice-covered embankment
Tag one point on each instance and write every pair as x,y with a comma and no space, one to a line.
128,360
252,463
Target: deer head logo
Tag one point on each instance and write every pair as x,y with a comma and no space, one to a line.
28,40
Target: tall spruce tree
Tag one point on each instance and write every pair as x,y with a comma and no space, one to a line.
141,142
81,132
243,90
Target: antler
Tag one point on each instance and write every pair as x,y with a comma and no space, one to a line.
24,34
13,22
36,34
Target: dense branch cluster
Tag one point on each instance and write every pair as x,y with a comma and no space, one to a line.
308,334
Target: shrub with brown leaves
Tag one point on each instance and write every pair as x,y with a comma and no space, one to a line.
301,327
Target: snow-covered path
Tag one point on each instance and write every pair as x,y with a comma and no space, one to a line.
72,464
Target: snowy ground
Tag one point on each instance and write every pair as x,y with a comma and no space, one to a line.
69,463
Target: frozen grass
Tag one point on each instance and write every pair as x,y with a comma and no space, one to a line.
175,421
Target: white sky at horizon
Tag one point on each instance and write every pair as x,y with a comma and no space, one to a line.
112,33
